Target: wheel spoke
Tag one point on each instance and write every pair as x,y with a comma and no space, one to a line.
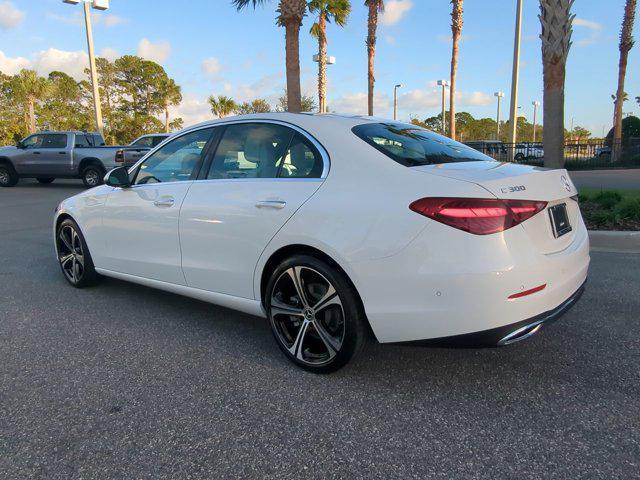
279,308
65,259
294,273
65,240
329,342
80,259
331,292
296,348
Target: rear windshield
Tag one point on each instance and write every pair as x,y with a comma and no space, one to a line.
413,146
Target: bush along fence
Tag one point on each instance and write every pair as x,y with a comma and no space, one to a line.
577,156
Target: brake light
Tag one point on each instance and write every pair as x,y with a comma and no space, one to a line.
119,156
480,216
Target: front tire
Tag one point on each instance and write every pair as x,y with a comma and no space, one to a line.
8,176
92,176
519,156
73,255
315,314
45,181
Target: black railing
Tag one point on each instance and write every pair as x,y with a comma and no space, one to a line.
577,155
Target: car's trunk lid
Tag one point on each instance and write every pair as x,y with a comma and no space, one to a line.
522,182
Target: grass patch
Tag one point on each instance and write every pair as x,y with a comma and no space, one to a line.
610,209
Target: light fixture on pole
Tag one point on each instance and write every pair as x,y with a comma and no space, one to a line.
328,61
395,100
513,117
499,95
98,5
444,84
535,104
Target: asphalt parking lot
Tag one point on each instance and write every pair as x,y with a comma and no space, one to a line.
121,381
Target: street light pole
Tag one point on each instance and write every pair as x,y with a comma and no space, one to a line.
395,100
92,67
499,95
513,117
444,84
536,104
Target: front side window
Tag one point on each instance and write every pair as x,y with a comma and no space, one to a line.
143,142
34,141
176,161
413,146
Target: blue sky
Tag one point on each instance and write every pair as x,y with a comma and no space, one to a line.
209,48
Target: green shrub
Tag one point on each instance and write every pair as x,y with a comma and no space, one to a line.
629,209
584,197
608,199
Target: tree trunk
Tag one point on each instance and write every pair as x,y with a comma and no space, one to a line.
32,115
166,118
456,30
322,64
292,41
371,51
553,121
626,43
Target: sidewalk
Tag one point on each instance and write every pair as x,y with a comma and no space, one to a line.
622,179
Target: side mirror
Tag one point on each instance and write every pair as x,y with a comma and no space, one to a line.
19,144
118,177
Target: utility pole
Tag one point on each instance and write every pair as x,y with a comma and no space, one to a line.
98,5
513,116
535,104
499,95
444,84
395,101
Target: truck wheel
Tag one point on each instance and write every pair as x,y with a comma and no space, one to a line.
92,176
45,181
8,176
519,156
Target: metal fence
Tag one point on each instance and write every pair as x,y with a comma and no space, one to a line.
577,156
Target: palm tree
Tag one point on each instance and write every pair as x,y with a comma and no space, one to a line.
375,7
556,19
339,10
222,106
456,30
28,88
171,95
290,15
626,43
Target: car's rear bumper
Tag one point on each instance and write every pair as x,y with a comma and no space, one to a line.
508,334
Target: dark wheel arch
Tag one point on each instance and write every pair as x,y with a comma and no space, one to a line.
86,162
290,250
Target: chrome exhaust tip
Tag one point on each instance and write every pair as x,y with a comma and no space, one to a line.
521,333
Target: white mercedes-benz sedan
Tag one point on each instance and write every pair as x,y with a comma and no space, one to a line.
335,227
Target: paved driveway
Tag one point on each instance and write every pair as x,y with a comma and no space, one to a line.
619,179
121,381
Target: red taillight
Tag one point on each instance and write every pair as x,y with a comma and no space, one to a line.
480,216
119,156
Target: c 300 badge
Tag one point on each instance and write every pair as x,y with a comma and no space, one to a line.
515,188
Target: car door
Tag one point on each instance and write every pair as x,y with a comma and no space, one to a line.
260,174
47,154
140,223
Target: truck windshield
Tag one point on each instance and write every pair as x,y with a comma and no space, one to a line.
412,146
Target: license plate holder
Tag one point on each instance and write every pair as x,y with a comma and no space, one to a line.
559,220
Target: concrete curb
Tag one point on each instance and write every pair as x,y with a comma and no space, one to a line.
614,241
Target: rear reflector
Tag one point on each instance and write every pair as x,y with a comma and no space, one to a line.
480,216
527,292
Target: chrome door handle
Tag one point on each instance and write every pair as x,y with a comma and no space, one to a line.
164,202
277,204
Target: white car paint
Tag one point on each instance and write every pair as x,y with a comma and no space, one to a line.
417,278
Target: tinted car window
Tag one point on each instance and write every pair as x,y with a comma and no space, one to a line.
157,140
84,141
412,146
54,141
175,161
34,141
143,142
301,160
251,150
98,141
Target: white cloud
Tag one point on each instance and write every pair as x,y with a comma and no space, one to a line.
394,10
356,103
10,16
114,20
77,18
418,99
211,67
158,52
390,39
71,63
109,53
269,87
192,110
11,66
594,28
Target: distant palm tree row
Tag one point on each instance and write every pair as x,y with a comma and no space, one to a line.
555,17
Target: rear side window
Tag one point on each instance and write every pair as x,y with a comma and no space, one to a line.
55,141
413,146
143,142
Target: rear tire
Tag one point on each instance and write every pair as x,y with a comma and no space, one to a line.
322,328
46,180
519,156
92,176
73,255
8,176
